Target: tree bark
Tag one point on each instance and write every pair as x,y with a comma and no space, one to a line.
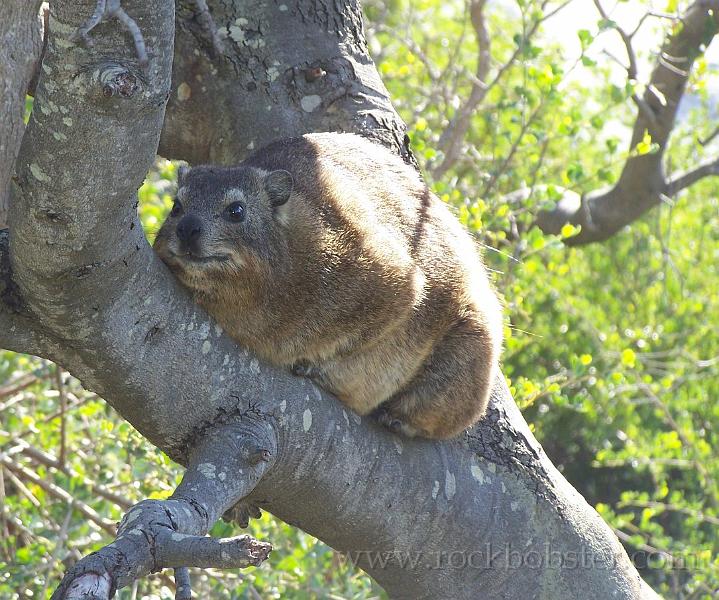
20,46
484,515
281,68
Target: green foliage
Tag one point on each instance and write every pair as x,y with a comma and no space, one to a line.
612,351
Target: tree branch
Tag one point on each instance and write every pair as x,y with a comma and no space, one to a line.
453,135
642,183
20,50
632,70
683,180
58,492
158,534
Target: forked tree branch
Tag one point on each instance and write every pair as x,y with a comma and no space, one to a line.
161,534
632,69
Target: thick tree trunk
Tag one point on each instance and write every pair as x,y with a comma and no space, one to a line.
280,69
485,515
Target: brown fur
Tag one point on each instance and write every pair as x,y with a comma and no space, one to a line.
362,277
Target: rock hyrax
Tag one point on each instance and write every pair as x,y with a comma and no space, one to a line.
328,254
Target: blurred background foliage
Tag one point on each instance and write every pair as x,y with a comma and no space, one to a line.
612,350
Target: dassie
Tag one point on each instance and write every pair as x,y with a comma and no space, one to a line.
328,254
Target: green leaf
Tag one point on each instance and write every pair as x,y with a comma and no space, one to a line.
585,37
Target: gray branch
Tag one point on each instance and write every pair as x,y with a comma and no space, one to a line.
683,180
642,184
158,534
486,514
21,36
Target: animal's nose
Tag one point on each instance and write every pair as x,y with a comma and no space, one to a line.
189,229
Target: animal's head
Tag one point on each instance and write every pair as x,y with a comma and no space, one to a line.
222,220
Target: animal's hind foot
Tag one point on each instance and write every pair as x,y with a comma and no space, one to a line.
395,425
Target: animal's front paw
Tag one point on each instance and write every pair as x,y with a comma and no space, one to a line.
241,513
303,368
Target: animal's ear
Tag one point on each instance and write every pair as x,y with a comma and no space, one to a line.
278,186
182,172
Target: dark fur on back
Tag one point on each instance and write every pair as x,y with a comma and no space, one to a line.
359,274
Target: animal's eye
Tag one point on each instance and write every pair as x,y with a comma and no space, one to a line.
176,208
235,212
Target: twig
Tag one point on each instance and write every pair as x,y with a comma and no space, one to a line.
59,493
204,18
14,439
515,145
652,13
59,545
4,533
17,526
626,537
710,137
254,593
16,386
22,488
632,70
697,514
183,585
63,421
51,462
686,443
450,141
